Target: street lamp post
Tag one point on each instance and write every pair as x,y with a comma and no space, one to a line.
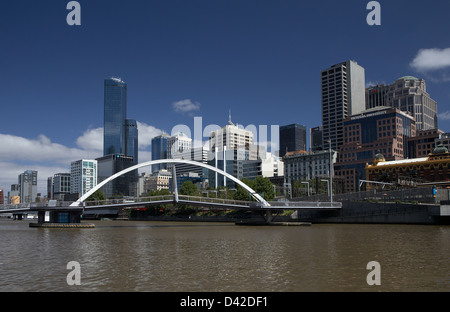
307,184
328,186
331,172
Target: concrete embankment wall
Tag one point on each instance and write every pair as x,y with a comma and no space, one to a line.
351,212
384,213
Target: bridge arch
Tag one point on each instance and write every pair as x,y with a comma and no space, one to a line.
171,161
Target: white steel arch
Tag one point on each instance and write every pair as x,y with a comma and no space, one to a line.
170,161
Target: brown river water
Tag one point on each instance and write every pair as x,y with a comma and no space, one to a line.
138,256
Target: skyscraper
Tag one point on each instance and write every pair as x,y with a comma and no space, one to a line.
409,94
115,114
131,139
159,150
28,186
229,146
343,95
315,139
292,138
120,140
83,176
379,130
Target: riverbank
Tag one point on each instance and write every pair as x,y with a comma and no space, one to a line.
351,212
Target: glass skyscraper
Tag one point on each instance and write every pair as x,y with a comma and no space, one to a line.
292,138
120,134
159,150
131,140
120,141
115,114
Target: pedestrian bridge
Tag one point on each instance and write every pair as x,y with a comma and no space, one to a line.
72,211
217,203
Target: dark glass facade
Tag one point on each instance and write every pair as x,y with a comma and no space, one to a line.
292,138
124,185
131,141
115,114
159,151
316,139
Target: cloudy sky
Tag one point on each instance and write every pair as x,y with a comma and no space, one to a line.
181,59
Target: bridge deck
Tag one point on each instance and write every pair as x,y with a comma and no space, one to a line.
171,199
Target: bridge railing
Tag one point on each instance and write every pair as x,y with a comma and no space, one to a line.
128,200
309,204
23,205
213,200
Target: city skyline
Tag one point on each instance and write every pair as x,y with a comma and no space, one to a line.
260,59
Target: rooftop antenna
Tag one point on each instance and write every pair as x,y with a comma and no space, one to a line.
229,118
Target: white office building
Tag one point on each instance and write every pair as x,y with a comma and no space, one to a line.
83,176
178,143
230,137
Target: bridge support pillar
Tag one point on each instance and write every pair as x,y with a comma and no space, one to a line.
64,216
174,184
41,217
61,218
17,216
268,216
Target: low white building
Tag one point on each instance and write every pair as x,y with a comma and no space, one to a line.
302,165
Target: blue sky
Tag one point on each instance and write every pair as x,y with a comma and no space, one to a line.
261,59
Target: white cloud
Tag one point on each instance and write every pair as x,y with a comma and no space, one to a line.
146,134
42,149
431,59
19,154
444,115
185,106
92,139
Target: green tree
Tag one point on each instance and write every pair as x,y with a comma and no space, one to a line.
158,193
264,187
241,193
189,188
98,195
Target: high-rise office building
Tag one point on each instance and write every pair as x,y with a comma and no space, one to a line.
343,95
230,137
169,147
125,185
178,143
408,94
28,186
292,138
83,176
315,139
159,150
115,114
377,131
131,147
120,135
58,186
228,146
199,154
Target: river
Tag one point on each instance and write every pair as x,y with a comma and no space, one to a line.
222,257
